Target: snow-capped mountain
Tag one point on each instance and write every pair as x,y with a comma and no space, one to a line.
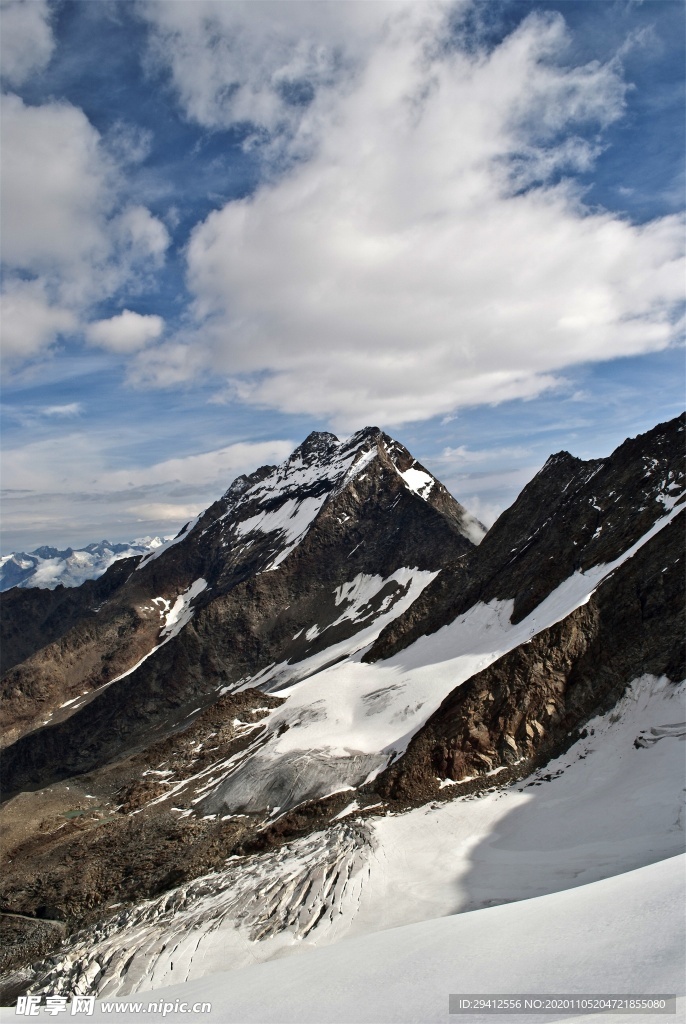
256,573
334,705
48,567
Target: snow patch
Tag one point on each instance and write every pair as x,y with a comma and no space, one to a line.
418,481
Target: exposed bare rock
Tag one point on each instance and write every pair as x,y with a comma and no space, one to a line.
571,516
363,517
530,704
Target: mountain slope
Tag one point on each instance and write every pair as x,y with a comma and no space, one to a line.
571,516
241,587
610,804
621,935
325,694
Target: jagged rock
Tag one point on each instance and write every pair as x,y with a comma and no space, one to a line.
154,696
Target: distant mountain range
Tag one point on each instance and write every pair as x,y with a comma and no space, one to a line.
48,568
335,705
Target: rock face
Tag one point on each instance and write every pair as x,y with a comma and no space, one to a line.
265,561
334,637
571,516
530,704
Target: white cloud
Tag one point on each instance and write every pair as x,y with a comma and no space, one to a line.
407,267
30,322
259,63
66,242
206,467
69,410
55,190
161,512
144,237
463,456
67,489
129,143
126,332
26,41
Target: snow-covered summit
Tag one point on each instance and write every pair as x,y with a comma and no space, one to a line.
271,510
48,567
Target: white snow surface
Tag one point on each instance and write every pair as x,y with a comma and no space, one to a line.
289,509
71,569
419,482
182,612
613,803
521,878
620,935
291,520
355,597
361,716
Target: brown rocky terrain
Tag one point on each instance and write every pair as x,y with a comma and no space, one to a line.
104,789
246,618
120,834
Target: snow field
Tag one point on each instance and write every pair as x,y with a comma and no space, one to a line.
620,935
609,808
375,709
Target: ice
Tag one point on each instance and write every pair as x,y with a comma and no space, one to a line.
277,677
373,710
610,807
622,934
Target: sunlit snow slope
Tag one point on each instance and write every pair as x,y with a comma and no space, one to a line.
620,935
612,803
342,725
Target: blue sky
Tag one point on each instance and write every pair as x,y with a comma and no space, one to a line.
226,224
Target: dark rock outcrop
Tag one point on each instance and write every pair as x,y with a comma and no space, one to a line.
530,704
571,516
365,519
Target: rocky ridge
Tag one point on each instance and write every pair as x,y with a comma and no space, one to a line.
210,750
237,590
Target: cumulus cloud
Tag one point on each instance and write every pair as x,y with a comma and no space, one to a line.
126,332
426,254
30,321
66,241
55,193
26,41
144,237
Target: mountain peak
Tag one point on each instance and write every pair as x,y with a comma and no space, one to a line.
319,445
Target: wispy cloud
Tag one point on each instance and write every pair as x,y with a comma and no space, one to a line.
69,486
68,410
